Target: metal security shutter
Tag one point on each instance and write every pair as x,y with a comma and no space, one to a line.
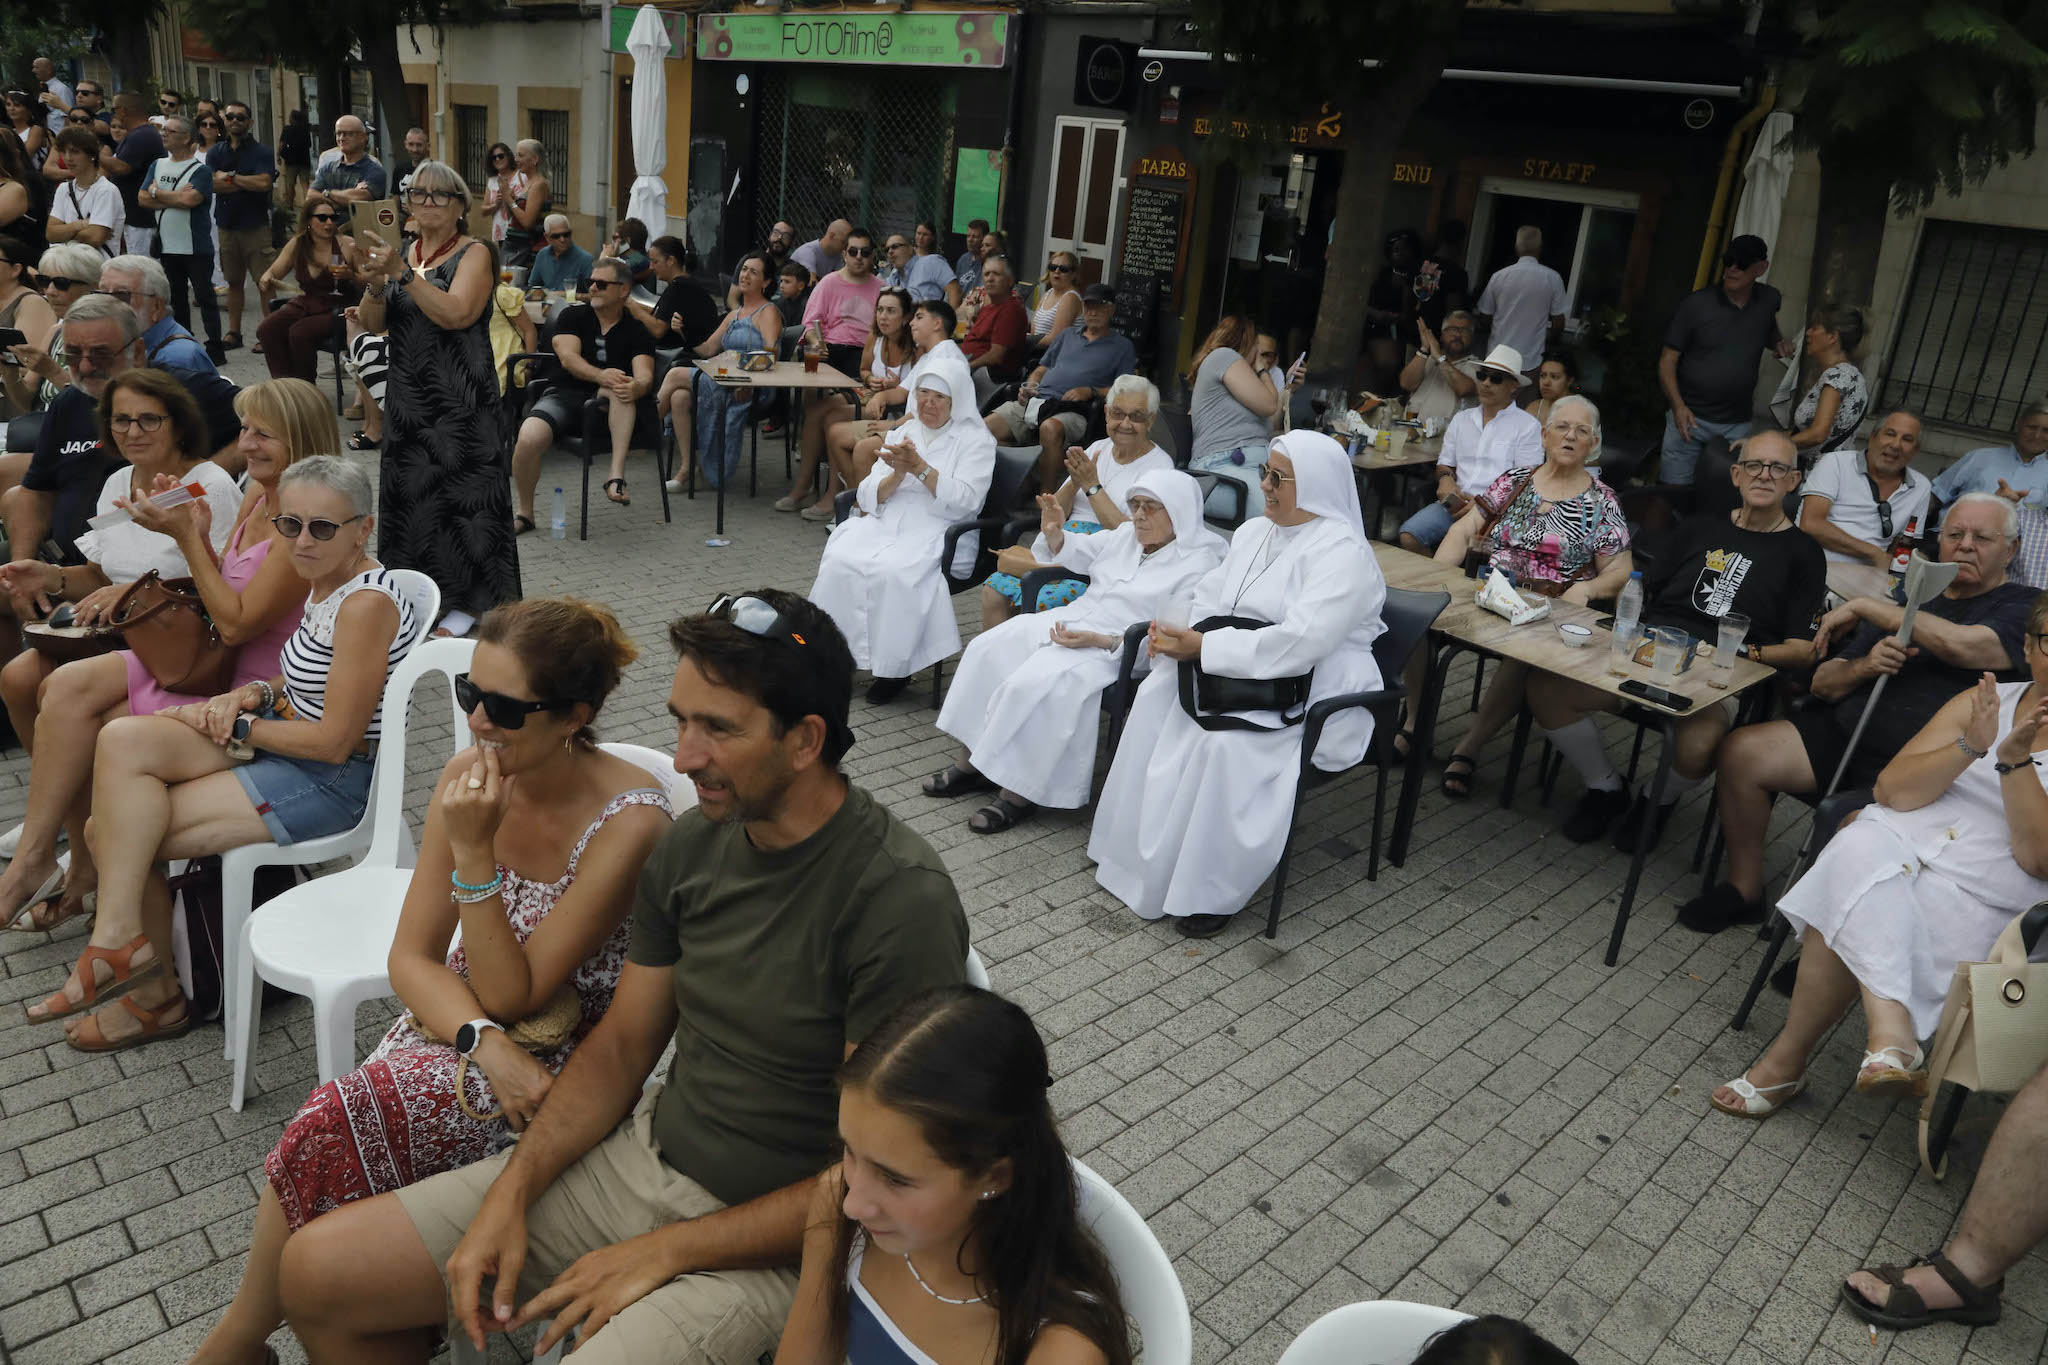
874,148
1968,348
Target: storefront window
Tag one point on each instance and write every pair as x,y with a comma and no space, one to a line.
1586,235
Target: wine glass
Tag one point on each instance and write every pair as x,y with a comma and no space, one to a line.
1319,404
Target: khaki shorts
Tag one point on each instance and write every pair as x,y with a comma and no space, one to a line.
1024,431
620,1189
245,251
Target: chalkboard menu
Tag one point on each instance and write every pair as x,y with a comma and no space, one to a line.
1151,237
1137,308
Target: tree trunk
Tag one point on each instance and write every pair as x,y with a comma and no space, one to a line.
332,77
1848,233
387,87
127,49
1354,259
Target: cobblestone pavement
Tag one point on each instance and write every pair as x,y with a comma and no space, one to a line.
1428,1088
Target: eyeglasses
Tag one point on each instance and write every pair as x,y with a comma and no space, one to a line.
1123,415
208,123
100,357
64,282
1268,474
1576,429
507,713
289,527
436,198
1767,468
322,217
862,251
127,296
1059,270
146,421
897,246
607,284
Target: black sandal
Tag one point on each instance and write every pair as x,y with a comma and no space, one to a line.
1904,1309
1403,744
1460,776
362,440
956,781
522,523
619,497
999,815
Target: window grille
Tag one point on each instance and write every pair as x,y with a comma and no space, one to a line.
551,131
472,140
1969,346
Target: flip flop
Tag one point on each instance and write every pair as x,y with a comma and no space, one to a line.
620,496
125,977
153,1027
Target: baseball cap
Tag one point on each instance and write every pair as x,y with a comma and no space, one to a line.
1746,251
1098,292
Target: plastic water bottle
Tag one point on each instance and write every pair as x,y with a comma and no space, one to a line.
1628,622
558,527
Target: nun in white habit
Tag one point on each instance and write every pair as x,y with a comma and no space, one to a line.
1191,820
1025,700
879,577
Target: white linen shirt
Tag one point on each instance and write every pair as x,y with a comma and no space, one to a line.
1522,299
1478,452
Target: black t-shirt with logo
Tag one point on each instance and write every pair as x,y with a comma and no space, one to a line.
1712,567
613,350
69,464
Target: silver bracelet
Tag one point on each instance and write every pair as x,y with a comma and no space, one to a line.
269,695
1964,745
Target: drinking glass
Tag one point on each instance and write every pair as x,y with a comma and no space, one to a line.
1670,645
1176,613
1734,630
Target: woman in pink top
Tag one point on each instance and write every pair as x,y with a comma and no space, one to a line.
255,599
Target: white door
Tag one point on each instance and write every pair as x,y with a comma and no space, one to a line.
1087,173
1586,237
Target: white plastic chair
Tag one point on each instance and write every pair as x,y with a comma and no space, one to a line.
1144,1272
238,865
1377,1332
330,939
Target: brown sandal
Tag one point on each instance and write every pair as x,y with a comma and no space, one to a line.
153,1026
126,977
1904,1309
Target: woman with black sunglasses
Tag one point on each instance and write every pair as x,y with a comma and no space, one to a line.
24,194
318,257
68,273
282,760
533,842
503,186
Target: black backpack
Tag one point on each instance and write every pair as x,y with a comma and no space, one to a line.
198,945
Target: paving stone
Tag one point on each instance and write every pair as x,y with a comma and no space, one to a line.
49,1311
96,1338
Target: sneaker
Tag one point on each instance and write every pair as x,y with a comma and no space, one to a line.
772,427
676,486
1596,811
1632,823
1719,908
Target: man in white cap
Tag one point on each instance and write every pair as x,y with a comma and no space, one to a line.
1480,445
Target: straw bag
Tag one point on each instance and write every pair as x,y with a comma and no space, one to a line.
546,1029
1994,1028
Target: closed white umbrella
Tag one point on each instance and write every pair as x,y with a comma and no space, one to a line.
1764,180
648,44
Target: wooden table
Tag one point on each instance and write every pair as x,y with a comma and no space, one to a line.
1378,469
1464,625
724,369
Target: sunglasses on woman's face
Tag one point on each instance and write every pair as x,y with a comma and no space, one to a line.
499,156
78,118
1059,270
289,526
322,217
507,713
61,282
1268,474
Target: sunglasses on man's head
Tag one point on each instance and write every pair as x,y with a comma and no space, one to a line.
507,713
289,526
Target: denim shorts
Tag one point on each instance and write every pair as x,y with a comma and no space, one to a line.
302,798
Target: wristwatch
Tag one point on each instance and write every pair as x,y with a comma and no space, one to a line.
470,1034
243,722
1091,490
2003,768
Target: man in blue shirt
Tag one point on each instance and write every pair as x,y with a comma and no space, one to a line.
2016,471
243,172
967,270
355,176
564,264
1078,369
140,282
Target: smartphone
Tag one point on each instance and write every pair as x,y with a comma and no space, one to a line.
1605,623
1298,361
1669,700
12,336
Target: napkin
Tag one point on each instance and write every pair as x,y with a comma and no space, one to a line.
1498,596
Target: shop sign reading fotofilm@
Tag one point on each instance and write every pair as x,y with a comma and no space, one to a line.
1153,244
961,38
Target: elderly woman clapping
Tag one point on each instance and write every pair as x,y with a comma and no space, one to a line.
175,785
1557,531
1956,845
879,577
1198,802
1095,497
1026,712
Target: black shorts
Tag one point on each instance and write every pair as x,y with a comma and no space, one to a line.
845,359
1825,742
563,412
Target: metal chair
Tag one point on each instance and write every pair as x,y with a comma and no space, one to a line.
1408,617
594,437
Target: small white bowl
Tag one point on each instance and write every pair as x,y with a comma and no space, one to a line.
1575,635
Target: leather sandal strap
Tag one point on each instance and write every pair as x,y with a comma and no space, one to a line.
1904,1300
1972,1295
120,961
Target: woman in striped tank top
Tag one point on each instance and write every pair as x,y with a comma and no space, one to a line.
183,783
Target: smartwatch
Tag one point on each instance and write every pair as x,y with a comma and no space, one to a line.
240,733
470,1034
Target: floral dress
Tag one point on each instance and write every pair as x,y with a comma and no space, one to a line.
1549,546
1848,380
394,1121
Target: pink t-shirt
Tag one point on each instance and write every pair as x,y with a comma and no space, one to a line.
846,309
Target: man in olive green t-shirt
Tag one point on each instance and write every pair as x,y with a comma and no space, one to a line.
775,927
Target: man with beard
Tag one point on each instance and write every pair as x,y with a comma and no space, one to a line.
1441,379
775,926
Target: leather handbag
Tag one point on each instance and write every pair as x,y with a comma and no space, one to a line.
545,1030
1203,694
166,623
1994,1028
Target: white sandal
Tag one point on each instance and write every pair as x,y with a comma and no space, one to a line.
1757,1102
1875,1076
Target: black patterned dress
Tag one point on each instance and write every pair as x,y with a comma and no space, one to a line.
444,503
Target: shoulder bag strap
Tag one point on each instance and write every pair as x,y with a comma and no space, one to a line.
1514,494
